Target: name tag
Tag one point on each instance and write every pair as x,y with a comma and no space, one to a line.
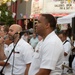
16,52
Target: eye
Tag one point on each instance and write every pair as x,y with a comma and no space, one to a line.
36,22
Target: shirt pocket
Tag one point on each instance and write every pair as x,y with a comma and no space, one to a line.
17,54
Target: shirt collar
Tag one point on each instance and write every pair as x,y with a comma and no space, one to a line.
20,41
49,35
64,41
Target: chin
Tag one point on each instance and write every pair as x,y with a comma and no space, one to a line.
10,38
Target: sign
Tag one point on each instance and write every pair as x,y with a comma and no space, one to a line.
36,7
52,6
57,6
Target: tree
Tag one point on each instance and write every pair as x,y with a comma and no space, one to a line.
6,15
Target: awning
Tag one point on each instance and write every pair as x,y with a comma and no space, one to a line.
54,14
59,14
66,19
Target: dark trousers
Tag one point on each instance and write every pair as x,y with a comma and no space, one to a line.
71,57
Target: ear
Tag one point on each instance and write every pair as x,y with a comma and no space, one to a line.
48,25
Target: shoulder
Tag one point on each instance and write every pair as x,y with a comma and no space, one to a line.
67,43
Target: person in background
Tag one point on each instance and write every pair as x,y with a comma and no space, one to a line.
48,58
21,57
73,65
67,49
73,55
4,33
68,38
69,31
39,43
5,30
26,36
34,40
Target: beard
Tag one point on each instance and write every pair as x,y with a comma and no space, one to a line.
11,37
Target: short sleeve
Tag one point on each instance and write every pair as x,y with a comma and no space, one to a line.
67,47
28,54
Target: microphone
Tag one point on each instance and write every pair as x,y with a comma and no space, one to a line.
22,32
25,31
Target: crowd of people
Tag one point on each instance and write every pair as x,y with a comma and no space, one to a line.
42,53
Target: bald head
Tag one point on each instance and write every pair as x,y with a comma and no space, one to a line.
16,27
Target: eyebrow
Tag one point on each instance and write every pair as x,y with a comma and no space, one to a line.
10,30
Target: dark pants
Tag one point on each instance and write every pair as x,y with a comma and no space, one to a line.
71,57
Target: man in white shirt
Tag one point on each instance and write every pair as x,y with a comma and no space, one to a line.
67,49
48,58
21,57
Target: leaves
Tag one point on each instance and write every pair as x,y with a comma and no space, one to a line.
6,19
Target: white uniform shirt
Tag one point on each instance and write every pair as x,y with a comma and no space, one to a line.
68,39
25,38
74,43
22,55
49,56
67,49
38,45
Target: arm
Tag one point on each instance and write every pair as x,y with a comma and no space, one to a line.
65,54
2,55
43,72
27,69
2,63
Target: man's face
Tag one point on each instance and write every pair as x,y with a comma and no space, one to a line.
40,26
12,31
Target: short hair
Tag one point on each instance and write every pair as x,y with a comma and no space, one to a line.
64,33
51,19
6,28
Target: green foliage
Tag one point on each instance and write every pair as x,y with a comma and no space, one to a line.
6,15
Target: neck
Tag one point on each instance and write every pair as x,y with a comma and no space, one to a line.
45,34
